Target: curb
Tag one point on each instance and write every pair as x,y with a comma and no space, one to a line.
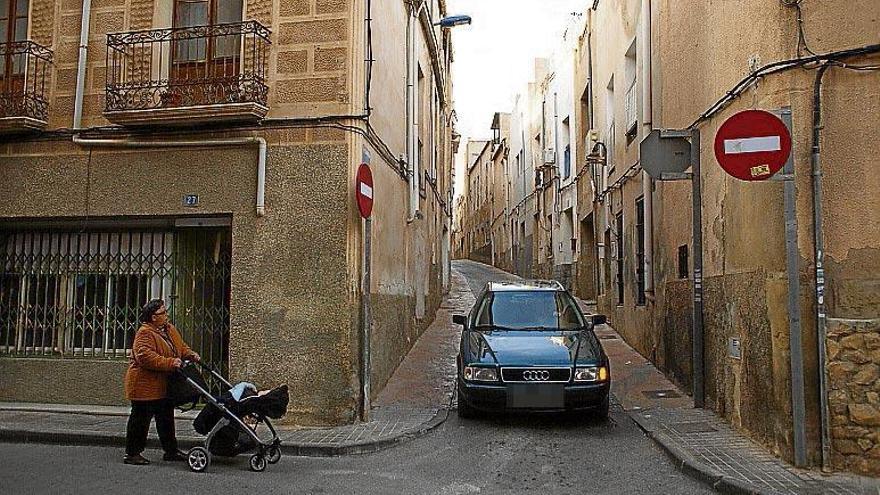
301,450
694,468
311,450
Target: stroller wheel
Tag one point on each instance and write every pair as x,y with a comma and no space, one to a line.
274,455
258,463
198,459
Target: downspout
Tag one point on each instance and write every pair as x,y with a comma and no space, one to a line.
647,183
261,165
411,109
81,64
819,242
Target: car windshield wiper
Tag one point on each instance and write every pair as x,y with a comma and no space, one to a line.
487,326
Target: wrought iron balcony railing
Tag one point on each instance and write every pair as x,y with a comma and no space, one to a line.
24,70
186,67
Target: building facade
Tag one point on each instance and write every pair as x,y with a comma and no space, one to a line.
625,240
205,152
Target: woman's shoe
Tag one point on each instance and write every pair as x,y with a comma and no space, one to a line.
174,456
136,460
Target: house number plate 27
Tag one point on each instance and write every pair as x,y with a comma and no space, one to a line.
191,200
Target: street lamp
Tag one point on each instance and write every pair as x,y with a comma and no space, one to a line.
454,20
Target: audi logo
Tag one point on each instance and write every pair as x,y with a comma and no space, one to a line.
536,375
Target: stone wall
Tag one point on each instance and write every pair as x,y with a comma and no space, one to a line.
853,367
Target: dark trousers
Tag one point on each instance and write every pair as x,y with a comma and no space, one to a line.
142,411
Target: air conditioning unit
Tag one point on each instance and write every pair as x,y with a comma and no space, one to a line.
549,157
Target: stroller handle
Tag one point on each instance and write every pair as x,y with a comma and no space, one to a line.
206,367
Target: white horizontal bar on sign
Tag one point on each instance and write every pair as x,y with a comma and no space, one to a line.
752,145
366,190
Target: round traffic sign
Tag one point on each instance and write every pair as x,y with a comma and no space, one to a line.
752,145
363,189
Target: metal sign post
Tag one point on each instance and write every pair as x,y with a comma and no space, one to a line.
794,305
665,155
364,196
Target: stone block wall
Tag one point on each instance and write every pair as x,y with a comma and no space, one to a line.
853,371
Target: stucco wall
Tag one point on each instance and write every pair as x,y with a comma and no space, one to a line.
292,309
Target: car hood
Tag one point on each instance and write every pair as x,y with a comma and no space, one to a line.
531,348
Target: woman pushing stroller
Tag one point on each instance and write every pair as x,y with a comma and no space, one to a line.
158,350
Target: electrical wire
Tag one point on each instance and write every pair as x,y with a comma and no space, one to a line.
780,66
802,44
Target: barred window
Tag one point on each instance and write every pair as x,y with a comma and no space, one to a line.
80,293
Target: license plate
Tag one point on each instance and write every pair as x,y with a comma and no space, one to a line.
536,396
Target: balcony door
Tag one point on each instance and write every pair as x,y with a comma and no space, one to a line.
13,28
206,62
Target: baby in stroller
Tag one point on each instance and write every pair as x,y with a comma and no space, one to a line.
231,422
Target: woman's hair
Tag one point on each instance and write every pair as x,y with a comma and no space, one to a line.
150,309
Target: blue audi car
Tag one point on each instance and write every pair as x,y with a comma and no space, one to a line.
527,346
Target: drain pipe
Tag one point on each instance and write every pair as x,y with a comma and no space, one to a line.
261,164
647,114
81,64
819,243
412,111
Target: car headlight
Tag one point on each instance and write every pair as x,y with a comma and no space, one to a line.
591,374
479,374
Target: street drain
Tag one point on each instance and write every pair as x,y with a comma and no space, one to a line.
661,394
693,427
608,337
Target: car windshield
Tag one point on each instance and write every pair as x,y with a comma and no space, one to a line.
529,310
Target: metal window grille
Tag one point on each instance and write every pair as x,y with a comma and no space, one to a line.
567,162
79,294
640,251
619,252
631,104
610,148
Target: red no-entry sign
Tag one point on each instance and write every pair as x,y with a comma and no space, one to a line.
363,190
752,145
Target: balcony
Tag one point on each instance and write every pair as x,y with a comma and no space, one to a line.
188,75
24,68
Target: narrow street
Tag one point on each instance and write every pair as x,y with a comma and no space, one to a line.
528,454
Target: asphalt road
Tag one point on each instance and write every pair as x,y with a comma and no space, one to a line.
510,455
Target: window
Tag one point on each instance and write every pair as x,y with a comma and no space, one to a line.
530,309
79,294
619,275
567,162
683,261
209,55
13,27
640,251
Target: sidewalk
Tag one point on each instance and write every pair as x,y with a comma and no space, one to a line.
704,445
415,400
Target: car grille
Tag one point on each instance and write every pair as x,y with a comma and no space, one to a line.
536,375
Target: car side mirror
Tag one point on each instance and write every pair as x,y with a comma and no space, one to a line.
459,320
599,320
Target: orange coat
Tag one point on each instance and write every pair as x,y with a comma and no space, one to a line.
152,361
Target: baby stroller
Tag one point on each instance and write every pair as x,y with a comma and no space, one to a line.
231,421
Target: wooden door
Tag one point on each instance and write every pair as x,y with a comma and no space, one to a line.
13,28
205,69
